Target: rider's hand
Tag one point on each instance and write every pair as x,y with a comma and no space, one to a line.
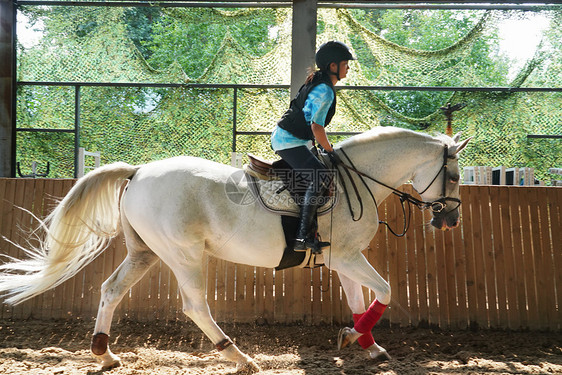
334,158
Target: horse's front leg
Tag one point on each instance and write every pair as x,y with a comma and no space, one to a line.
364,320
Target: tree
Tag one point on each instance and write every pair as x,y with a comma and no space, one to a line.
179,45
192,37
426,30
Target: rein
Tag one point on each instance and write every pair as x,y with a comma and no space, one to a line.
436,206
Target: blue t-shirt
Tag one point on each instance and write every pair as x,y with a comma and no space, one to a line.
315,109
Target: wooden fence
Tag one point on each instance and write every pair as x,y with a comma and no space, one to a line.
500,269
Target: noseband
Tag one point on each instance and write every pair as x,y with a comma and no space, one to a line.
437,206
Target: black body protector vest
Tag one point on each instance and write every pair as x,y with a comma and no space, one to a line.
293,120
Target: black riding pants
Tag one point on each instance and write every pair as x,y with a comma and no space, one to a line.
309,172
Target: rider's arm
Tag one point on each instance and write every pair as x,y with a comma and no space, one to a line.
318,103
321,137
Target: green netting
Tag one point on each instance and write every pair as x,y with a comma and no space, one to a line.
56,149
253,46
45,107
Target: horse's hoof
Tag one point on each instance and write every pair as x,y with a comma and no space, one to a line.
111,366
344,337
108,360
379,353
381,356
249,367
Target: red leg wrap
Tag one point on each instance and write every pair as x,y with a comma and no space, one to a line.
370,317
367,339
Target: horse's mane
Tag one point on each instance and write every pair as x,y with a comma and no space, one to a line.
389,133
383,134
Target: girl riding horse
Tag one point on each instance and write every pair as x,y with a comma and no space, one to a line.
310,111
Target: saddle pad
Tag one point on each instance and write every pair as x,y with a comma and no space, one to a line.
276,199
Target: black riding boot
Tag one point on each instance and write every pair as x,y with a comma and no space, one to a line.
306,235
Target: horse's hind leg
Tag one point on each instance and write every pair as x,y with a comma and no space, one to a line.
192,288
138,261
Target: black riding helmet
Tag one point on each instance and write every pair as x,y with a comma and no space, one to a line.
332,52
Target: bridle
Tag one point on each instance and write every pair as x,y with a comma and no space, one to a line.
437,206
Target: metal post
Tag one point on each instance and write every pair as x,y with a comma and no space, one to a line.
234,119
7,88
544,136
76,128
304,41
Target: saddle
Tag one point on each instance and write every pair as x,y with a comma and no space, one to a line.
277,189
265,169
273,186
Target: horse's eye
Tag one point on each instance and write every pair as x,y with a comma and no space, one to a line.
454,179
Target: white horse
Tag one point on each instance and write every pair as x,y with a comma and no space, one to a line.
177,209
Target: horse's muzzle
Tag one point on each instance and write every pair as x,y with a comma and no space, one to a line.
446,221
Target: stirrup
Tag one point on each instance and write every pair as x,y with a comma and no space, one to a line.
301,245
312,260
306,244
316,245
319,245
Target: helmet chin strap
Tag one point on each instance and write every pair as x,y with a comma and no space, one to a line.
337,73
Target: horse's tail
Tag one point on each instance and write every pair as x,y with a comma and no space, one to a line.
77,231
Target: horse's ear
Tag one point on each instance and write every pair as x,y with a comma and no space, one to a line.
457,137
460,146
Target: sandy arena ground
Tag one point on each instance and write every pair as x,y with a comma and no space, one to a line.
61,348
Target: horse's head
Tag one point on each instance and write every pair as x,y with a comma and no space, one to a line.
438,183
